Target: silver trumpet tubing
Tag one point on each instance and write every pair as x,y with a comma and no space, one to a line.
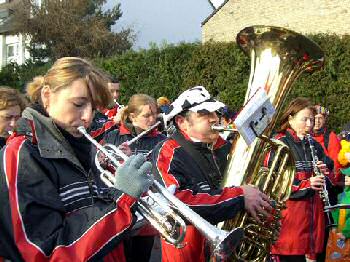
168,217
323,193
131,141
223,128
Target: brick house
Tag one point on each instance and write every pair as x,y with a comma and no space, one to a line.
303,16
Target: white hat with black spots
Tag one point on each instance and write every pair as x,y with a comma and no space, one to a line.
196,99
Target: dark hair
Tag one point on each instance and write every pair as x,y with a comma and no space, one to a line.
185,114
293,108
113,79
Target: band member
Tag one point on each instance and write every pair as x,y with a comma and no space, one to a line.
11,106
303,220
327,138
193,159
107,119
112,109
52,207
137,117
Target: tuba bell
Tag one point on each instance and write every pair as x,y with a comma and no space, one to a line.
278,57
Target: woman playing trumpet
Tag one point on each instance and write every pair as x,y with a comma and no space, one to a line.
52,207
138,117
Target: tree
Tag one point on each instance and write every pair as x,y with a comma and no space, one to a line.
58,28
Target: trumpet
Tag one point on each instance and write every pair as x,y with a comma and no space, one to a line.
131,141
169,222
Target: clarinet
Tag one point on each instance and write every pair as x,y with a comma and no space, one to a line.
323,193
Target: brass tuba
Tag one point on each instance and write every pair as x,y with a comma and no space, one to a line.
278,57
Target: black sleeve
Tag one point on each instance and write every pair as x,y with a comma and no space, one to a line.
213,205
41,227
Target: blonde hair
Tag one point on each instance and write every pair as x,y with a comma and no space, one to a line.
64,72
11,97
134,104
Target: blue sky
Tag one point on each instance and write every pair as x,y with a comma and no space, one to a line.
158,21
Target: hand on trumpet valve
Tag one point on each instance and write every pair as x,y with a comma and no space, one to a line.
157,200
317,182
256,203
134,176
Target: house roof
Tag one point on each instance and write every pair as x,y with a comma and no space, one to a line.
214,12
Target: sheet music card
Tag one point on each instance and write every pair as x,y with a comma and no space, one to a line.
255,116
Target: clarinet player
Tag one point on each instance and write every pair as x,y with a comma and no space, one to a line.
303,222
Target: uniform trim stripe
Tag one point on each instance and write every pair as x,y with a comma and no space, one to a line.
86,245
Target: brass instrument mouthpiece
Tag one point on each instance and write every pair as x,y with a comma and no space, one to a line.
223,128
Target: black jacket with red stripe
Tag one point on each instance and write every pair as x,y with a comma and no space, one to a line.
303,220
198,187
51,208
143,145
199,190
101,126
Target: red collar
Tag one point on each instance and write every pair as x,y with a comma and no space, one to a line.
293,134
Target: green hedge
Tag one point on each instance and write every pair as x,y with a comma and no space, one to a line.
224,70
221,67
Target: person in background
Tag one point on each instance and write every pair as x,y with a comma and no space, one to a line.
138,116
112,109
193,159
338,246
52,205
227,120
12,103
327,138
108,118
163,104
345,132
303,221
329,141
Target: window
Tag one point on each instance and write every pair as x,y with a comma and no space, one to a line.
11,50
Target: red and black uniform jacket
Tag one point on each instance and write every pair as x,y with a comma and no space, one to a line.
2,142
51,207
101,126
125,133
200,191
331,146
303,221
111,112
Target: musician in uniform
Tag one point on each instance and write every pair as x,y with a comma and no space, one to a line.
193,159
52,205
303,221
11,106
327,138
138,117
112,109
